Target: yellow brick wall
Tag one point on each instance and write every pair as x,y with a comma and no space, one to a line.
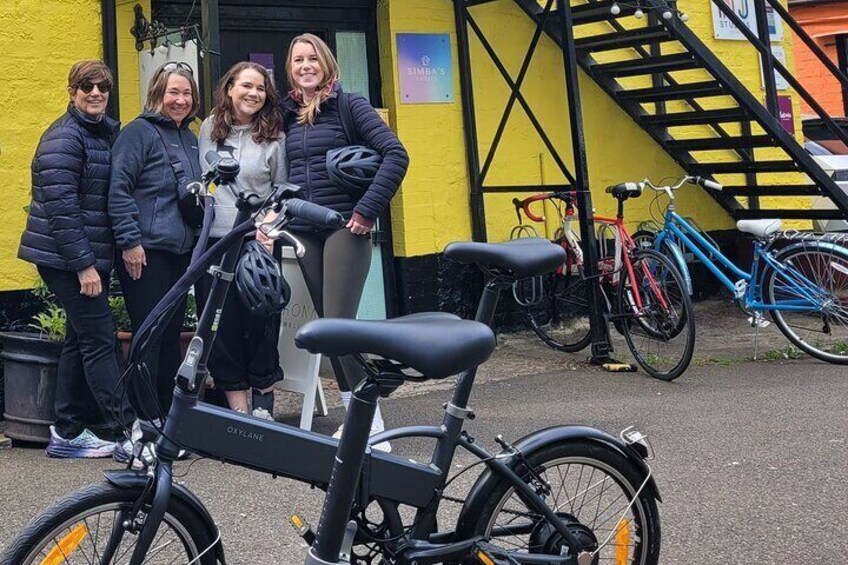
433,207
128,58
40,41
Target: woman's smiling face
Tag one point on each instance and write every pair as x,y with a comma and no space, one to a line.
247,95
306,68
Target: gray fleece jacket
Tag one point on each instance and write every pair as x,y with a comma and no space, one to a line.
262,166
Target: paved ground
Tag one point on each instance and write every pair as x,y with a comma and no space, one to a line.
752,457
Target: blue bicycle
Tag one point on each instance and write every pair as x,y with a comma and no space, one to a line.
802,281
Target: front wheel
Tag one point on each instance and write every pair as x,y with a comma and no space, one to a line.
656,315
88,527
814,276
590,487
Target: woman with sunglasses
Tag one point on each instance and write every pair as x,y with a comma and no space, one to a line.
68,238
153,156
336,262
245,124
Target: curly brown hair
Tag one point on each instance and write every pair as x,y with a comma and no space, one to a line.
267,123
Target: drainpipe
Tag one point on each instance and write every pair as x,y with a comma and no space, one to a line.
110,54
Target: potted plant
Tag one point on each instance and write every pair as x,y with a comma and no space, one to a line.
30,363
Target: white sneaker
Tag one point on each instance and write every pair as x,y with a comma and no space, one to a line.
382,446
264,414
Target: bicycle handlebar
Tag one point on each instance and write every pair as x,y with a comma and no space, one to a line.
670,188
567,197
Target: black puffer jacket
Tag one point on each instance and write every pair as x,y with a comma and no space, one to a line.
68,227
307,147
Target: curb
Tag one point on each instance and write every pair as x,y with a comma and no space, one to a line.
5,443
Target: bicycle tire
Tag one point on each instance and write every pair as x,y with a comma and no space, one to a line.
827,266
65,528
670,328
606,482
561,320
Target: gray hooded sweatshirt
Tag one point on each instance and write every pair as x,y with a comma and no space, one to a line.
262,166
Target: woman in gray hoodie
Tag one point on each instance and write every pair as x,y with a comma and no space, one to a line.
246,125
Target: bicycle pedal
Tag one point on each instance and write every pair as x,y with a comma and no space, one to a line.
619,367
303,529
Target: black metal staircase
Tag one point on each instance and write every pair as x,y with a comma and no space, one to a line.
731,120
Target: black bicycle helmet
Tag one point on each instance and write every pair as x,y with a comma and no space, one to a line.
261,287
352,168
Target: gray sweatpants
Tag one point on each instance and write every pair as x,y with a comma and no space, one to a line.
335,267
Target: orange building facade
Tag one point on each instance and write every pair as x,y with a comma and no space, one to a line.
826,21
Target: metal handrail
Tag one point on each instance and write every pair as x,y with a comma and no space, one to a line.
779,67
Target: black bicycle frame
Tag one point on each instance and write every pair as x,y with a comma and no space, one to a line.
287,451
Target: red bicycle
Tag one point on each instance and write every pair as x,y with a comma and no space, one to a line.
643,292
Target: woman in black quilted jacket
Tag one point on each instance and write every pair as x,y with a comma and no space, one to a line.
69,239
336,262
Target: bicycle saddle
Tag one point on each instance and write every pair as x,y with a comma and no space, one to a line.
525,257
759,228
436,344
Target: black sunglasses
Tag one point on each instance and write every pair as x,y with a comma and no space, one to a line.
171,66
103,86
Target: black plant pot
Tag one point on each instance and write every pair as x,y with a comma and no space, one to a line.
30,364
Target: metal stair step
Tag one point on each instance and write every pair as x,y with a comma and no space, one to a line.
696,117
788,214
594,12
647,65
714,143
624,39
676,92
742,167
773,190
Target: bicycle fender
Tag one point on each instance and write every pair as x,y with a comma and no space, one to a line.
680,261
138,479
537,441
671,249
830,246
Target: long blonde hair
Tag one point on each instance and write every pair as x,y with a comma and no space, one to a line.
327,61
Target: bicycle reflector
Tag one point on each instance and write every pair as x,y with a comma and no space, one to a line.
66,546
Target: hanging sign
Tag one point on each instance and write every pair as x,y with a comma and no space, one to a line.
723,28
787,116
425,68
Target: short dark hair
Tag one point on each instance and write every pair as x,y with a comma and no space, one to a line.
89,71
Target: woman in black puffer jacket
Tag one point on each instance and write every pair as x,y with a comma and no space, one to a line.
336,262
69,239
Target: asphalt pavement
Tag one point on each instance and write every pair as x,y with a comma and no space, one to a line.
752,457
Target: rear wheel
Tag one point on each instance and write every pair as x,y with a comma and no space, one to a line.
816,275
660,334
88,527
561,319
590,487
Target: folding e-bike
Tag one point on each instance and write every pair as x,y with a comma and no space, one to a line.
567,494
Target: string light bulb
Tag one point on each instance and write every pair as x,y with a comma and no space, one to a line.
684,17
638,14
615,9
667,15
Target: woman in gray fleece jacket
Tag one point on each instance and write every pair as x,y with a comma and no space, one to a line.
245,124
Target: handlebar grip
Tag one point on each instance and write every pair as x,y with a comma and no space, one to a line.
314,213
525,206
707,183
